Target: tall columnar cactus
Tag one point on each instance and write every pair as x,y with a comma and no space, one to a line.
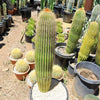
20,4
95,12
70,5
88,42
44,52
76,30
0,14
5,10
24,3
97,58
80,3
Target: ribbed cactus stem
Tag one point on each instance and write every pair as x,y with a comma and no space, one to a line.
76,30
0,14
88,41
80,3
70,5
97,58
5,10
24,3
20,4
44,52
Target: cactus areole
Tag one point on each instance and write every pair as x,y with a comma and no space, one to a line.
44,53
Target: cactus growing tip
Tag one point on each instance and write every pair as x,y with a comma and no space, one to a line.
47,10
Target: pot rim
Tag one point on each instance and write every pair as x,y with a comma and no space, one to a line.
29,62
82,77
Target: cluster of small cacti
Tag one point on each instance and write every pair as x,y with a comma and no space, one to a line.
16,53
21,65
97,58
32,76
80,3
5,10
95,13
30,27
70,5
44,48
59,27
60,38
30,56
88,41
76,30
57,72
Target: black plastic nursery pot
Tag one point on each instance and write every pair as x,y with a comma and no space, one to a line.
67,16
58,10
82,85
26,13
1,28
71,67
28,38
61,58
54,84
88,14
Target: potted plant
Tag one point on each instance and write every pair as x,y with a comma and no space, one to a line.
31,78
44,54
1,24
25,11
59,27
68,52
30,58
57,72
68,14
21,69
15,54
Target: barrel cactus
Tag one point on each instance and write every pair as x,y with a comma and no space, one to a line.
44,52
21,65
95,12
5,10
16,53
57,72
32,76
30,56
88,42
76,30
97,58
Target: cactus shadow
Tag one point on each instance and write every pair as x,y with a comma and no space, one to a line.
1,45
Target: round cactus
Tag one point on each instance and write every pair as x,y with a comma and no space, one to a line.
30,56
32,76
57,72
88,41
95,12
76,30
44,48
21,65
16,53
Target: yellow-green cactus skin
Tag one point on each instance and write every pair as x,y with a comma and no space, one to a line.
32,76
44,48
76,30
16,53
88,41
21,65
97,58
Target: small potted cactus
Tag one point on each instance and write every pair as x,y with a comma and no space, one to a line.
57,72
30,58
21,69
31,78
25,11
15,54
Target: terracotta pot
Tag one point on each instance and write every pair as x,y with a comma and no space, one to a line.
21,75
31,64
13,61
15,10
10,12
88,5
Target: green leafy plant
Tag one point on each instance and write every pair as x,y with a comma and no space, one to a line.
13,2
59,27
16,53
32,76
30,56
21,65
76,30
88,41
30,27
29,33
57,72
60,38
5,10
44,48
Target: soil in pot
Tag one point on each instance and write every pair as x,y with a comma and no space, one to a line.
87,74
